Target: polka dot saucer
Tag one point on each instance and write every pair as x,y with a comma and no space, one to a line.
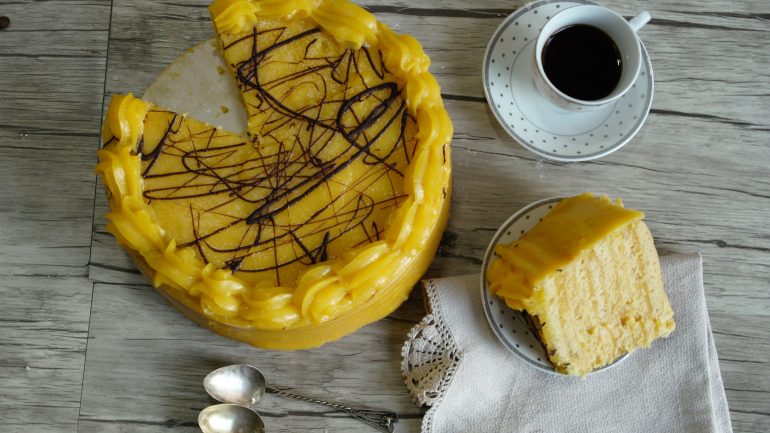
512,327
536,123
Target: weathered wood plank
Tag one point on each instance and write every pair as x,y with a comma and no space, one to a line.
146,364
52,65
743,345
43,330
47,218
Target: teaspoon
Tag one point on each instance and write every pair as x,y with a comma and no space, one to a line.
230,418
245,385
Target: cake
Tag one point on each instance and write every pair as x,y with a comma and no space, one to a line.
589,278
324,216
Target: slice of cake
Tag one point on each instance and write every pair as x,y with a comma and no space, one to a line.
324,217
588,274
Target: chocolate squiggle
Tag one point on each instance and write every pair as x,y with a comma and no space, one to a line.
271,173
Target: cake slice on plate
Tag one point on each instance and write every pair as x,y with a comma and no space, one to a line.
589,276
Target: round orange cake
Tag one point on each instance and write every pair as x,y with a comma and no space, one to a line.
325,215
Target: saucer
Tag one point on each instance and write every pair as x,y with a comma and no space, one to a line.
536,123
512,327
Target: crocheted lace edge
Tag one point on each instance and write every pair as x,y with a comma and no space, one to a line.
430,397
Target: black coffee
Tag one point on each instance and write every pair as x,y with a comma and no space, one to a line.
583,62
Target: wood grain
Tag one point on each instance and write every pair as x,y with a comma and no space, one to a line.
43,330
699,169
52,67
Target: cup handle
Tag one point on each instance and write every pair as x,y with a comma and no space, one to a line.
639,21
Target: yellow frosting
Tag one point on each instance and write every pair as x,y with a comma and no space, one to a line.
334,297
233,16
351,25
572,226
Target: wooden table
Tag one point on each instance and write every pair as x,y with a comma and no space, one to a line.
86,345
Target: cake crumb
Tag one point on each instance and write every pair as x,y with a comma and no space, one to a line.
223,108
220,70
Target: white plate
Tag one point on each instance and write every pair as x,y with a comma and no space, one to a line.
510,326
538,124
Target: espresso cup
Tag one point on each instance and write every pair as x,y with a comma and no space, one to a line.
622,33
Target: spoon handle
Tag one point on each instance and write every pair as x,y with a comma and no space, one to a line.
382,420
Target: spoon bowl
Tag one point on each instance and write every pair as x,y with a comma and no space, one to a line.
230,418
240,384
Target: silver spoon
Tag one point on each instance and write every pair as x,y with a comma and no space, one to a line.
230,418
245,385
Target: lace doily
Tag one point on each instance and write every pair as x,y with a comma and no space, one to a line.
429,357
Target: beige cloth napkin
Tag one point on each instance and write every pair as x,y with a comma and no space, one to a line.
454,363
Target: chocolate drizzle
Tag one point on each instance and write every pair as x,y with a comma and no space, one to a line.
330,110
153,155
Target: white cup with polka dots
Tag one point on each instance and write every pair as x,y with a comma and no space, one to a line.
623,33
